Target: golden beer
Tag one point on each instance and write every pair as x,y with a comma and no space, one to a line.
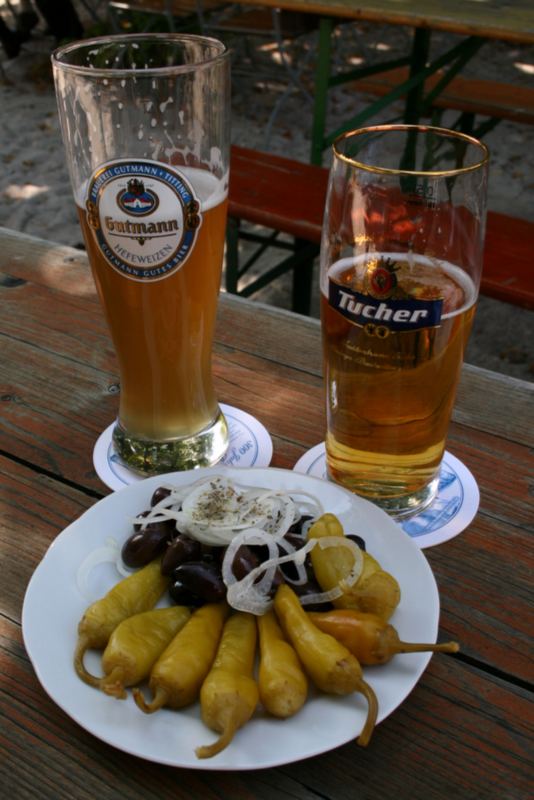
390,392
145,121
401,255
163,329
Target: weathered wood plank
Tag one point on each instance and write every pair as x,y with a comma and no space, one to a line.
33,510
413,754
513,21
54,407
484,395
484,584
503,470
71,378
481,393
63,270
486,574
52,374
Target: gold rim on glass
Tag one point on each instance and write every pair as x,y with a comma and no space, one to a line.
445,132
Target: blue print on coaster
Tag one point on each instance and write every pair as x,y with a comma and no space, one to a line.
244,445
250,446
451,512
444,508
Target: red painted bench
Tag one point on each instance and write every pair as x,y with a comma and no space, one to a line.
287,196
468,95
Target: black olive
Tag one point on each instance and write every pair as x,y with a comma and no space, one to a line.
182,596
260,551
144,545
160,494
277,581
245,560
311,587
297,526
204,580
165,524
211,554
295,539
357,539
181,550
289,569
142,515
148,542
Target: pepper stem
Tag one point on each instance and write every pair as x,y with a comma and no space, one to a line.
82,646
372,712
113,684
158,701
414,647
209,750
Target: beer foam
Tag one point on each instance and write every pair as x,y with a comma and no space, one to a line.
456,274
208,188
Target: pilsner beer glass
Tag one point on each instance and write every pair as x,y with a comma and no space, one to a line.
145,123
401,258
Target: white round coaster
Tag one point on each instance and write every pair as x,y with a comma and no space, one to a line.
250,446
451,512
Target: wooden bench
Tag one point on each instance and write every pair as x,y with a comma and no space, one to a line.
468,95
210,16
148,15
286,196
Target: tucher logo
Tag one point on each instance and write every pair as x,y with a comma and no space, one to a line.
371,292
380,279
136,200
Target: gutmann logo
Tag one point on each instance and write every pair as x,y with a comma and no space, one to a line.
144,216
137,200
377,310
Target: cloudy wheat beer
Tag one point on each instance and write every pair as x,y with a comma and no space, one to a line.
396,313
171,395
145,123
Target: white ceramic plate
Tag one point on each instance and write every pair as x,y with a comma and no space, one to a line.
53,606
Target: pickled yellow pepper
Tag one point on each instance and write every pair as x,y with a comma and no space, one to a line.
332,668
281,680
229,695
375,591
136,644
134,594
369,638
179,672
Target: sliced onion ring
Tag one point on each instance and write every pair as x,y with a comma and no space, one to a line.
245,595
239,508
109,553
345,583
252,536
342,541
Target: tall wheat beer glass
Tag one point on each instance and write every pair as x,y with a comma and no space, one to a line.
401,259
145,122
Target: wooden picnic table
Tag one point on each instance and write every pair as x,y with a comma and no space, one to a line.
474,21
466,729
511,21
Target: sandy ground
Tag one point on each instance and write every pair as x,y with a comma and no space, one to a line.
35,198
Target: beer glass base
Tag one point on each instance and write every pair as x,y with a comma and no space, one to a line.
153,457
405,506
399,506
